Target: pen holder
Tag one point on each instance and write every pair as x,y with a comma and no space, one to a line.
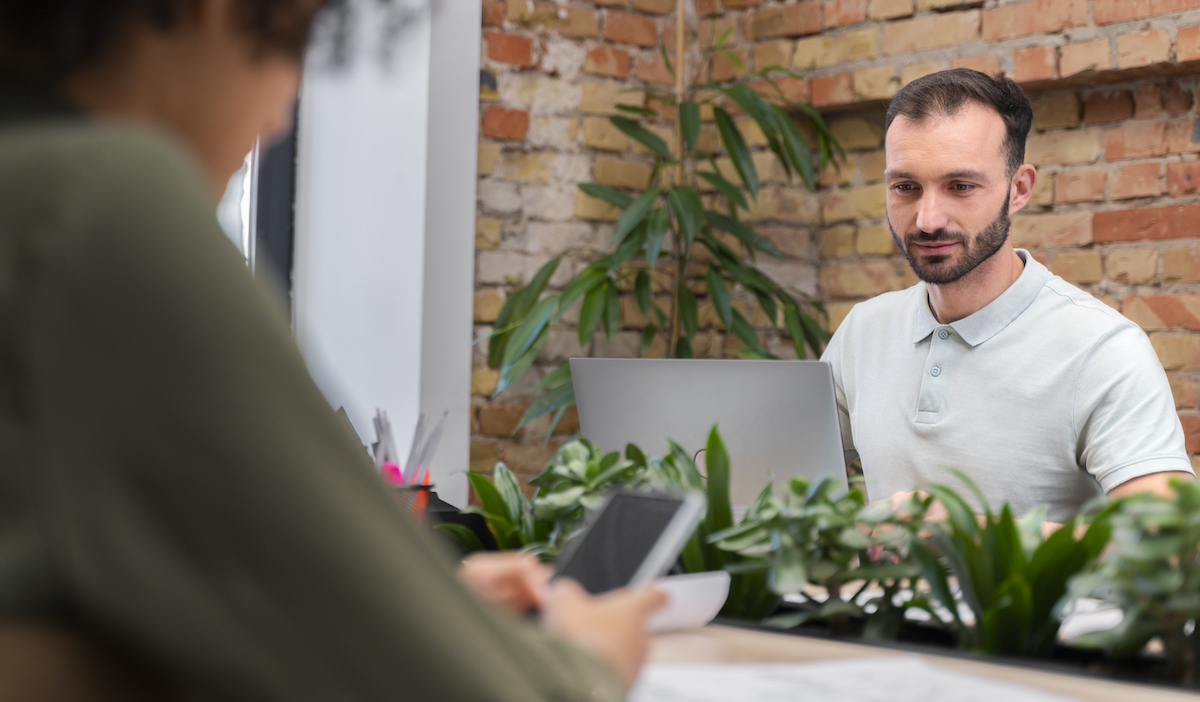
415,498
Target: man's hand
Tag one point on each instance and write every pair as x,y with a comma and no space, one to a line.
511,580
611,626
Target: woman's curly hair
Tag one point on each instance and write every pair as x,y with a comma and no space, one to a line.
49,40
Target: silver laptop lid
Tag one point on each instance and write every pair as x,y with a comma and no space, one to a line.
778,418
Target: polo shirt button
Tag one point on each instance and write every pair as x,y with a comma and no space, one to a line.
943,334
935,371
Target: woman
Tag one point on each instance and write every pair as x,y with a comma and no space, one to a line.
172,484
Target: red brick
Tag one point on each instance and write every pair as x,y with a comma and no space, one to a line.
1039,17
565,20
1109,11
1176,100
500,420
787,21
793,89
654,7
1147,102
1147,48
628,28
1163,312
607,61
1035,63
493,13
984,63
1036,231
723,68
509,48
1184,390
840,12
1108,106
1080,186
1187,44
1147,223
1139,180
1180,137
1183,178
864,279
837,89
1191,433
708,8
1135,141
503,123
652,69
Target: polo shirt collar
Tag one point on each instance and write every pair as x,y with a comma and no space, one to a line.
998,314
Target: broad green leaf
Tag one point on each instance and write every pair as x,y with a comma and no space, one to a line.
637,110
768,305
739,153
791,322
686,215
796,147
683,347
746,235
489,497
689,122
788,574
744,331
716,468
592,312
525,335
464,537
753,105
642,135
634,214
687,309
512,372
510,491
641,290
720,296
554,399
612,196
727,189
516,307
632,245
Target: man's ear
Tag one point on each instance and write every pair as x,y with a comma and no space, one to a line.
1021,188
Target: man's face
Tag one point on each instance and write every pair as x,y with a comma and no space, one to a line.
948,191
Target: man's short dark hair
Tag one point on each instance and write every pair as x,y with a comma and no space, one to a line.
946,92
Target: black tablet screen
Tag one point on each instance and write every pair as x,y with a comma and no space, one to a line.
612,549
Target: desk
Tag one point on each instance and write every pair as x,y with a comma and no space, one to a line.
723,644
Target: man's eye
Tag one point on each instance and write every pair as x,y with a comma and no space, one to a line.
963,187
904,187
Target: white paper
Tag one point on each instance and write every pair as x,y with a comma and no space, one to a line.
692,600
890,679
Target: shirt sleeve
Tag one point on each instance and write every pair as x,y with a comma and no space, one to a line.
1124,414
202,504
833,356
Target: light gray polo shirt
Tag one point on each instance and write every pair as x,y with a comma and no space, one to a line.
1046,395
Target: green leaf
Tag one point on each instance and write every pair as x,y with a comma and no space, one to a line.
510,492
753,105
689,122
516,307
791,322
739,153
648,333
746,235
632,245
590,315
716,468
612,196
637,110
642,135
796,147
556,377
489,497
464,537
554,399
683,347
688,210
720,296
634,214
512,372
735,60
788,574
743,330
687,309
662,50
612,311
655,233
581,285
641,290
525,335
727,189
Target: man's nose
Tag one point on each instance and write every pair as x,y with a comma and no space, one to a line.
931,216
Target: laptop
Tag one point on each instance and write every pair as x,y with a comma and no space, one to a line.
779,419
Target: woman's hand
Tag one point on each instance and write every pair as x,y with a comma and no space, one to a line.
611,626
511,580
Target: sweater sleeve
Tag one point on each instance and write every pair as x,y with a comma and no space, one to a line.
201,502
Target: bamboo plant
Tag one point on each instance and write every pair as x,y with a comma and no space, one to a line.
683,234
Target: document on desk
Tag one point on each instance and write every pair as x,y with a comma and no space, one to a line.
888,679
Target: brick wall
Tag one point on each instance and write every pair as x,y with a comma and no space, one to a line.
1116,138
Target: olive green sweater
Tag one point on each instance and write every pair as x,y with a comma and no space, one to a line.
171,477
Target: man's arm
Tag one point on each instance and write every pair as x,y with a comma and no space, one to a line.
1156,483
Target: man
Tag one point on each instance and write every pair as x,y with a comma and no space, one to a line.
1037,391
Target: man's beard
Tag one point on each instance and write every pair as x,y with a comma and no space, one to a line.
936,270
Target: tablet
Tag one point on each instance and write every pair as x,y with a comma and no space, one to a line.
632,538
